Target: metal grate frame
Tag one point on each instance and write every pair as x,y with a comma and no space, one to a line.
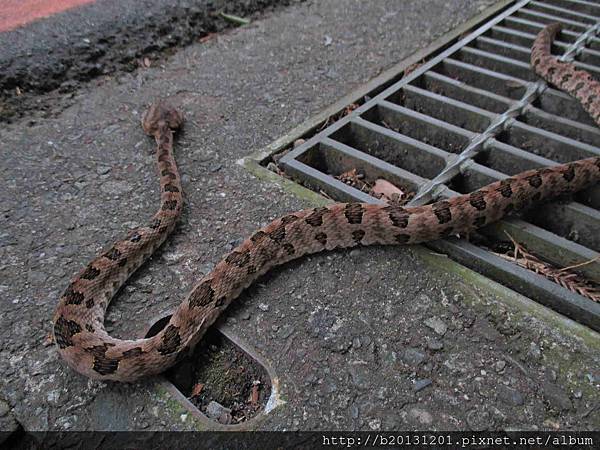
473,114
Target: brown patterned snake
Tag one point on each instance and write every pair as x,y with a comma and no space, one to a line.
78,322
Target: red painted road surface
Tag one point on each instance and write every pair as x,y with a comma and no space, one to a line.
14,13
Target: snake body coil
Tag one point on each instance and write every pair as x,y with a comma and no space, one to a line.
79,319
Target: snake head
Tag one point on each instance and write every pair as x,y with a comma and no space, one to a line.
159,115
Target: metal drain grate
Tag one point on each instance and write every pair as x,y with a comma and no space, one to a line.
474,114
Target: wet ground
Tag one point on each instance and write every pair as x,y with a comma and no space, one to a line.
367,339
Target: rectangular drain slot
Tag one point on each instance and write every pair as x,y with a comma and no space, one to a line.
479,94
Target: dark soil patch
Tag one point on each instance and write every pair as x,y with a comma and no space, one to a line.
219,371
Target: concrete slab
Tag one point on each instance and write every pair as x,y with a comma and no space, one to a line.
367,339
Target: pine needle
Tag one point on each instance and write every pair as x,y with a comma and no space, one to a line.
563,277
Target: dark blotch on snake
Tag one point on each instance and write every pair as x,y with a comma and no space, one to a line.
402,238
102,364
113,254
288,219
442,211
477,200
315,219
357,235
202,295
278,234
322,238
136,351
505,188
170,188
64,330
90,273
569,173
170,341
398,215
534,180
258,237
73,297
169,205
239,259
354,213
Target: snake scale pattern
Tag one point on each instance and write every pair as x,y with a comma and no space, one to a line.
79,318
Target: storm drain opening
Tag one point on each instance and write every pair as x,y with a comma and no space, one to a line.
467,116
220,382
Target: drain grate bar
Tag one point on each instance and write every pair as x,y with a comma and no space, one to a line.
473,114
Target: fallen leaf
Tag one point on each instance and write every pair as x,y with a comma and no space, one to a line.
49,340
146,62
197,389
254,394
386,189
513,84
208,37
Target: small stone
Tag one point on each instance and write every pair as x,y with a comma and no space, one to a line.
592,378
478,420
245,315
422,416
263,307
4,408
286,331
510,396
556,397
225,419
421,384
534,351
434,344
298,142
577,394
413,357
354,411
437,325
116,187
550,423
375,424
551,374
215,167
102,170
499,366
215,410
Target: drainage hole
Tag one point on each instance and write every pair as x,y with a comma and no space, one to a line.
222,381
